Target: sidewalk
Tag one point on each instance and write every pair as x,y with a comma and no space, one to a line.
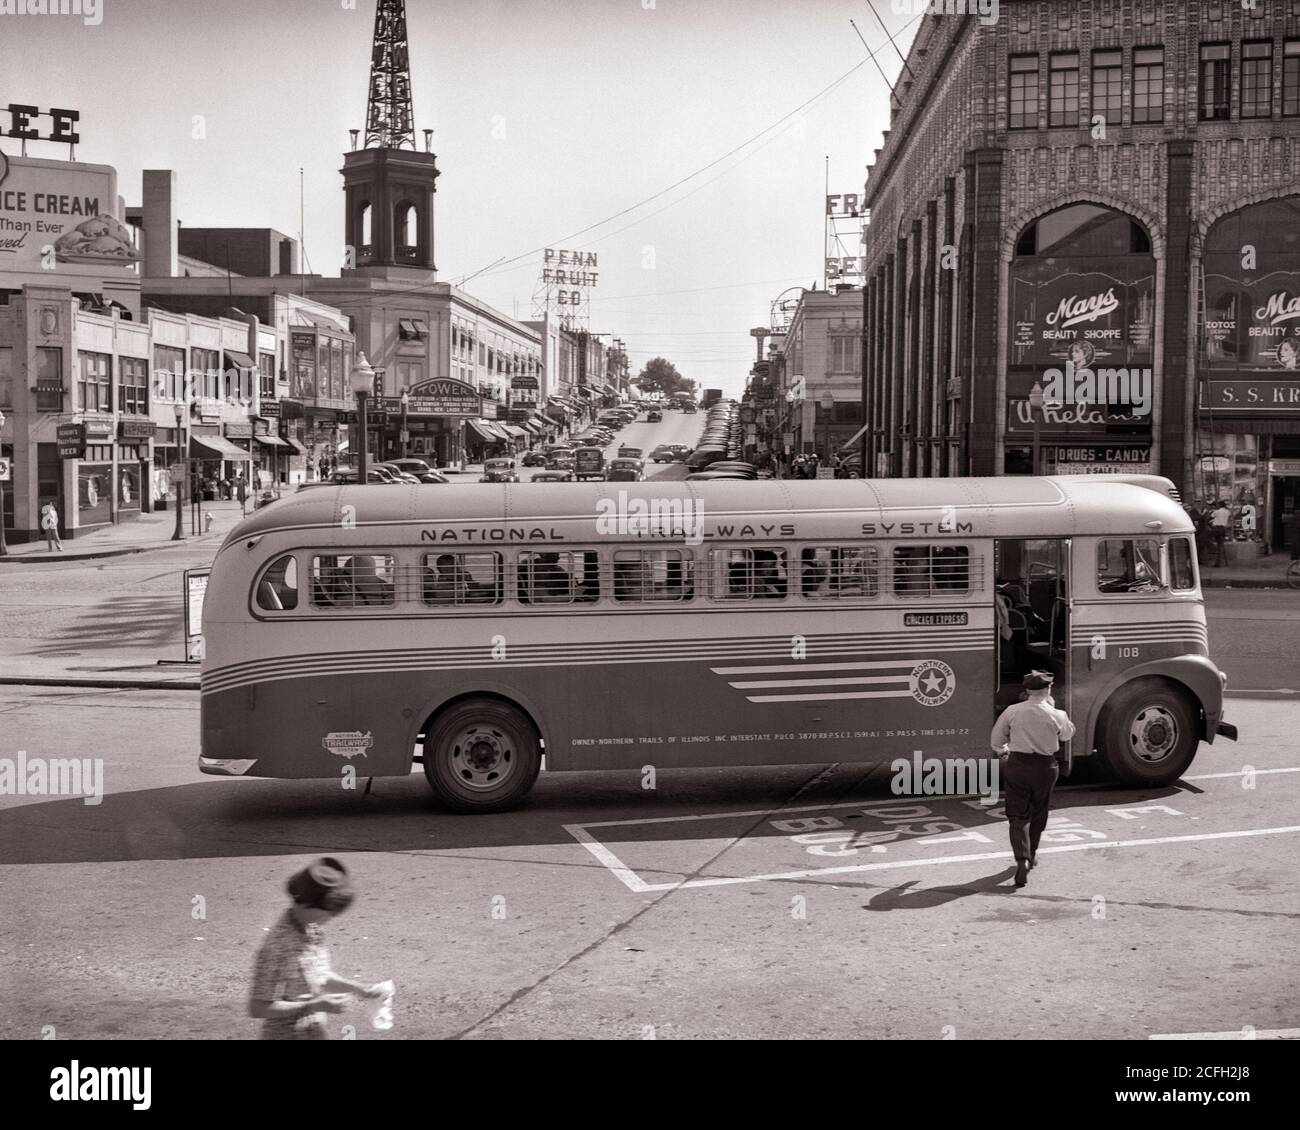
1246,569
139,535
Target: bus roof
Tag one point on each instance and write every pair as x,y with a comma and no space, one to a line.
1011,506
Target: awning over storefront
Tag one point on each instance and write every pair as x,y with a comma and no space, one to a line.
513,431
237,360
856,436
271,441
298,447
484,430
216,447
583,390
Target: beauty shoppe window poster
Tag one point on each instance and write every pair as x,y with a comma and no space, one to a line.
1252,325
1100,315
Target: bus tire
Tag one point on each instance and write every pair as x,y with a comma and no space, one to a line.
481,756
1147,733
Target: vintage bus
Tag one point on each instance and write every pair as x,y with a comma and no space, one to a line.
475,629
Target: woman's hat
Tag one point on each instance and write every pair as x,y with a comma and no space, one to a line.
324,885
1037,680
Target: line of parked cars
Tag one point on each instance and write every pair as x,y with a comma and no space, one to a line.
717,455
411,471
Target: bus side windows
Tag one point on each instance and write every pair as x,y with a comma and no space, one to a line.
652,575
828,573
1182,571
451,579
572,577
356,580
927,570
749,574
1128,565
277,591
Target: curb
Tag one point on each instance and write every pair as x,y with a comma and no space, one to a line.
46,559
101,684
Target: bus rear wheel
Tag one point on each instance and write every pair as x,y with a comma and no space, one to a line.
481,756
1148,733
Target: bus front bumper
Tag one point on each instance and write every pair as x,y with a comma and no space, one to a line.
226,767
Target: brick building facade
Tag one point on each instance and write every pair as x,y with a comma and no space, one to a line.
1120,153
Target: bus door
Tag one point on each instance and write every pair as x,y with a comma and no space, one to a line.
1032,615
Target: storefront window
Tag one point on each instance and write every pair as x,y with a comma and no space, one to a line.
1229,467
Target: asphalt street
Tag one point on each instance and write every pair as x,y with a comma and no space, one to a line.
793,902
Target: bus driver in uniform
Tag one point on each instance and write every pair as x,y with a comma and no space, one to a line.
1026,737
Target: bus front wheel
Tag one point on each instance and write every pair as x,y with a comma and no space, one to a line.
481,756
1148,733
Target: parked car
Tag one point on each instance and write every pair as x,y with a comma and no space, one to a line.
663,454
399,476
499,471
625,471
534,459
412,466
553,477
350,478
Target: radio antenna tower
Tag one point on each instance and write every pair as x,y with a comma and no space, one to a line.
390,121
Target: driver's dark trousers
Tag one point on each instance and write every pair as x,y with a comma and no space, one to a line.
1027,783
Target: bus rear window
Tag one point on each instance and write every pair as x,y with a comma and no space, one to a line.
277,591
749,574
558,578
1182,567
652,575
462,578
830,573
1128,565
931,570
355,580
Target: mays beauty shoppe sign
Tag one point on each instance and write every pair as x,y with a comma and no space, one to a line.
58,219
1103,316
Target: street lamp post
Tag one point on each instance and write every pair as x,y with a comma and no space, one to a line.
828,409
1036,407
406,434
363,382
179,410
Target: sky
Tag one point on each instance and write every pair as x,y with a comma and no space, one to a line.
557,123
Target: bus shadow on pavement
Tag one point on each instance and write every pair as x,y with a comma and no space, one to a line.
236,818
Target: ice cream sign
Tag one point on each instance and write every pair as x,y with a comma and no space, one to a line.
58,217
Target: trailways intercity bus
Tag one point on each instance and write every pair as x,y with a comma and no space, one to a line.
476,628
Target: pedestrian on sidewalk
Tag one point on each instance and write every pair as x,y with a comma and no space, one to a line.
293,986
1220,519
50,524
241,492
1027,738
